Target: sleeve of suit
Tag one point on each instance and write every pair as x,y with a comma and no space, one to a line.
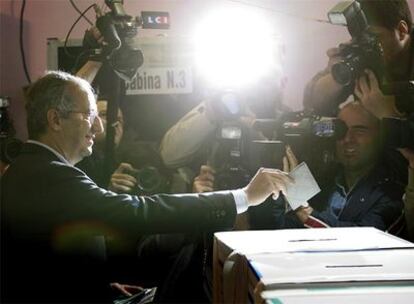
146,214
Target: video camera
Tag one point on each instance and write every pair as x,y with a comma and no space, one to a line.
241,149
311,125
240,153
112,39
398,133
312,136
364,50
229,155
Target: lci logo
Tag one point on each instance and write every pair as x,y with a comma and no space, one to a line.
155,20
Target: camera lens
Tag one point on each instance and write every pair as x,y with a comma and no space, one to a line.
342,72
149,179
9,149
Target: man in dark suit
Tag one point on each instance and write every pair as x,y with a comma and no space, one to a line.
53,214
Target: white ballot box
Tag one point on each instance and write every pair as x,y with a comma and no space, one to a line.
248,262
381,294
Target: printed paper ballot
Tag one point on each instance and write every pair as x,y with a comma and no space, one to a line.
304,188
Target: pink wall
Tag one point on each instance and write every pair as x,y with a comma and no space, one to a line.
306,40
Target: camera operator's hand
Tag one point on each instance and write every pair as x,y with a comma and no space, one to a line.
248,118
121,180
126,290
303,213
264,183
204,182
409,155
368,92
289,160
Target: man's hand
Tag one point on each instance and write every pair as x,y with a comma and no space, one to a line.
248,118
303,213
289,160
266,182
409,155
121,180
204,182
126,290
369,94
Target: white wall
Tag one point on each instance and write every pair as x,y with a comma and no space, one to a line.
306,39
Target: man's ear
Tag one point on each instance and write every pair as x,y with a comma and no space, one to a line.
54,120
403,31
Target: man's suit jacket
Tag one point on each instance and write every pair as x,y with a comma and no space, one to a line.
375,201
53,215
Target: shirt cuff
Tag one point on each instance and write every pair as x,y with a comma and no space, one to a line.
240,198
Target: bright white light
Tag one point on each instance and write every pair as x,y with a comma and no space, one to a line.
234,47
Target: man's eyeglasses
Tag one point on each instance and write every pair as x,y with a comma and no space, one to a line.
89,115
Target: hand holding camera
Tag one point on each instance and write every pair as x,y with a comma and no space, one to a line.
289,160
204,182
122,181
368,92
409,155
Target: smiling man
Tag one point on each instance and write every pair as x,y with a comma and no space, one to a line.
361,191
52,213
359,150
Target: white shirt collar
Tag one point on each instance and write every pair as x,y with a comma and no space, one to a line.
58,155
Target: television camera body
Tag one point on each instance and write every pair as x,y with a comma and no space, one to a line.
241,149
311,136
398,132
228,154
112,40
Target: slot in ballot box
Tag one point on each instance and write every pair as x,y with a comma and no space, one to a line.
234,278
330,270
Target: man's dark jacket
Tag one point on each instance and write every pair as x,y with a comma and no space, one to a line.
52,214
375,201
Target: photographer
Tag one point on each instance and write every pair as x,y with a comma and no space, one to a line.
195,139
391,21
193,142
120,181
384,108
360,192
184,142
